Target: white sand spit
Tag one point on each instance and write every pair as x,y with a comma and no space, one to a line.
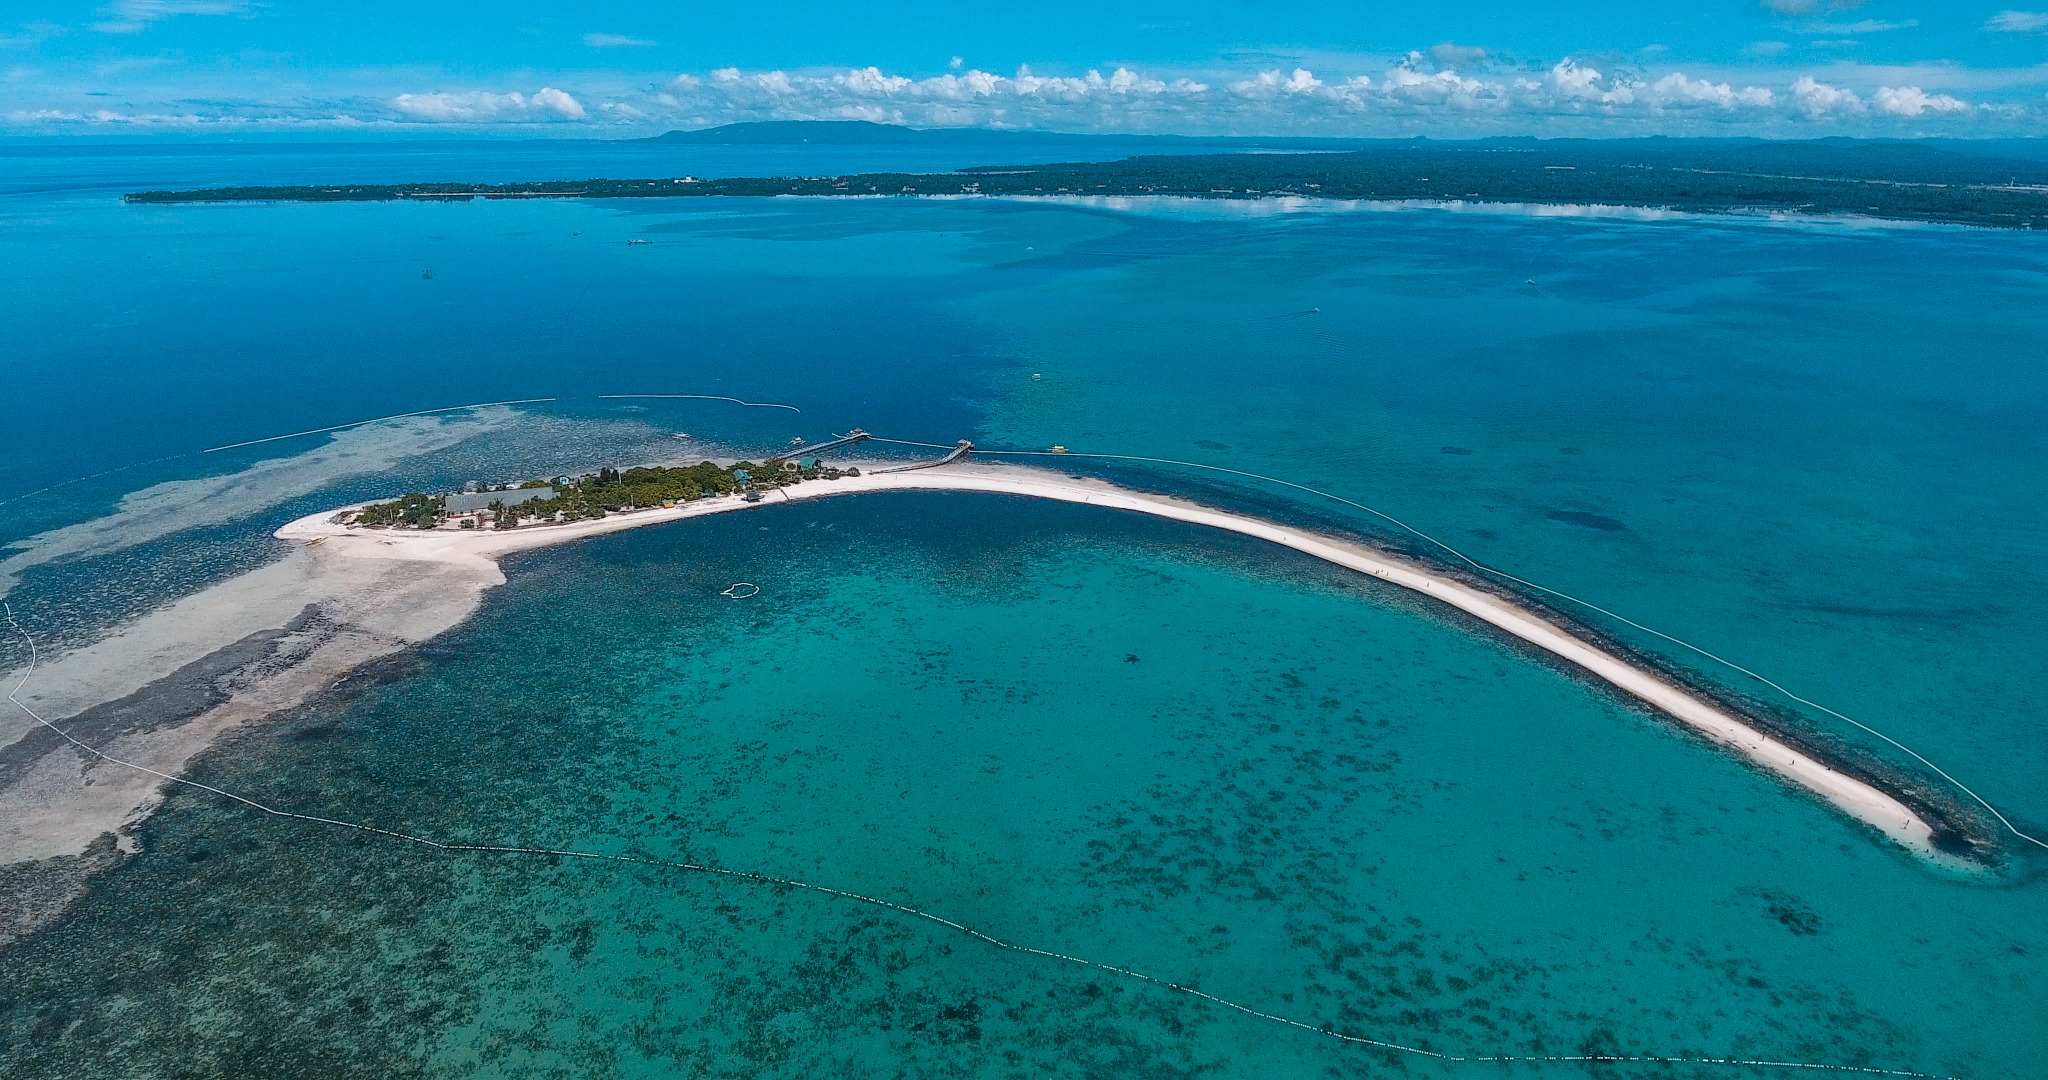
1856,797
161,689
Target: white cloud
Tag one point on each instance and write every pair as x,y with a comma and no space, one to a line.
1451,55
1575,82
134,16
1912,101
1415,94
1863,26
1676,89
1808,7
615,41
1409,86
557,101
1817,99
2017,22
30,35
1268,84
477,106
871,81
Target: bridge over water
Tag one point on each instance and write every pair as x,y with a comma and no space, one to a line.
838,441
958,452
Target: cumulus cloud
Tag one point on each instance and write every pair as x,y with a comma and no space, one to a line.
1574,82
478,106
1417,89
1418,86
1405,84
2017,22
1817,99
1451,55
968,86
1913,101
1427,92
615,41
1269,84
1676,89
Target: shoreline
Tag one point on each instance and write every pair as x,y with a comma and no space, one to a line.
1858,798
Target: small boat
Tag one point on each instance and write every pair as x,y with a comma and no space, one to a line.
680,435
1059,449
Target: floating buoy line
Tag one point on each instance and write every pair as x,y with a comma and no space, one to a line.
742,590
919,914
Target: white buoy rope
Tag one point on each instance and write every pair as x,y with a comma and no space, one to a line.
742,590
700,397
14,695
1544,589
375,420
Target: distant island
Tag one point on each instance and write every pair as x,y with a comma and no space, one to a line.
1890,180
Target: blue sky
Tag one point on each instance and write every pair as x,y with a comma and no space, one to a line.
1451,68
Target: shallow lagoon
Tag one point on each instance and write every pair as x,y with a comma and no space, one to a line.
1119,739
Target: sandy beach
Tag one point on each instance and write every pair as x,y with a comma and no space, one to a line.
164,687
1853,796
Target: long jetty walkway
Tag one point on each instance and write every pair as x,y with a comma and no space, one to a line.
849,438
965,448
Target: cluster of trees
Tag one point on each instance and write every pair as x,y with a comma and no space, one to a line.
412,510
610,490
596,494
652,485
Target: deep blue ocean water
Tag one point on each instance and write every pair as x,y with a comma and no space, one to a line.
1813,448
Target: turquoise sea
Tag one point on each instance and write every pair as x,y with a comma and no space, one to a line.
1813,448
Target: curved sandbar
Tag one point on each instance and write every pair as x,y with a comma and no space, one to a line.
1860,799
